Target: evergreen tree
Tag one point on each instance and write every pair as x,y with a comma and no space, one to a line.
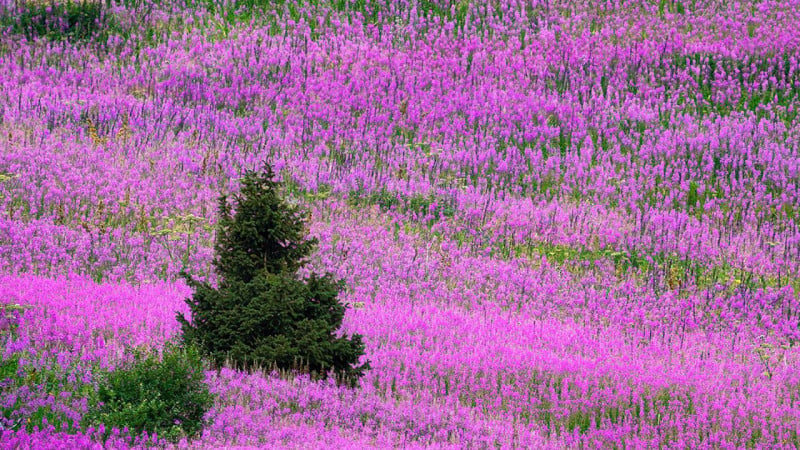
265,235
261,314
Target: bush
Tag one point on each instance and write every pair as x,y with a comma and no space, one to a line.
166,396
262,315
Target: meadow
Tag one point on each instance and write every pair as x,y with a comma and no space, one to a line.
561,224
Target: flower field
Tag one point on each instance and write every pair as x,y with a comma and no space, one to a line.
561,224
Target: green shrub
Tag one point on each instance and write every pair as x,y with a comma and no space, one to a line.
164,395
262,315
57,19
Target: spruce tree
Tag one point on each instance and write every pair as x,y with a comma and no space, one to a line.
261,314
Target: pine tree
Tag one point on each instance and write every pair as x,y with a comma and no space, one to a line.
261,314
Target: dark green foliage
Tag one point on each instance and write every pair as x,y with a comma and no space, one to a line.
57,20
275,319
164,395
266,235
262,315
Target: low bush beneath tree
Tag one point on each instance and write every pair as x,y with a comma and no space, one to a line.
165,396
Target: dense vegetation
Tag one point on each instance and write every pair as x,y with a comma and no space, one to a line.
557,223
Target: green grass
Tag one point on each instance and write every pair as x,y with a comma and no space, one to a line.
8,369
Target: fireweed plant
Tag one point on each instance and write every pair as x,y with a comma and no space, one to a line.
560,224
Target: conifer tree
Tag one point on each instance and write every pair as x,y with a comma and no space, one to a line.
261,314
